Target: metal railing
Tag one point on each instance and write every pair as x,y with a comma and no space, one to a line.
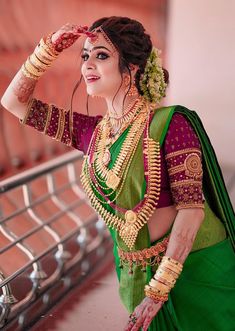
50,237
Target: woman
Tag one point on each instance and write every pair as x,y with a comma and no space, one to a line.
149,172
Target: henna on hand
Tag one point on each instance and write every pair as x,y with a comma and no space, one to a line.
23,88
67,35
144,313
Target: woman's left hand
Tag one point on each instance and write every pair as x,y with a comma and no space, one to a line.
143,315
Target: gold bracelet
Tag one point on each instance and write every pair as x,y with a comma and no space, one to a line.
42,57
156,297
167,259
40,51
161,273
164,278
29,67
51,50
154,282
27,74
33,66
159,289
171,264
34,60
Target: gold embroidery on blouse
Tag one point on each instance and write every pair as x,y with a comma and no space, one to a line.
185,182
182,151
174,170
61,125
48,118
29,105
193,165
189,205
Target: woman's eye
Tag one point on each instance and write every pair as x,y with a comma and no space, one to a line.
102,56
85,57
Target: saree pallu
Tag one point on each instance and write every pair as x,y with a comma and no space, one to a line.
204,295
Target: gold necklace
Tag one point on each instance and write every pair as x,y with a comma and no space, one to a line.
110,138
113,176
124,119
129,223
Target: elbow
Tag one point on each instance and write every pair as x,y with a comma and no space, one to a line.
3,101
193,213
200,214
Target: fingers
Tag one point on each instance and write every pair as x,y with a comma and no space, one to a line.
147,323
135,319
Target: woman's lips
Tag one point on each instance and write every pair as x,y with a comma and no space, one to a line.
92,78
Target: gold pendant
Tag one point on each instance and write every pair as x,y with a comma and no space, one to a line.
129,233
112,180
130,216
106,157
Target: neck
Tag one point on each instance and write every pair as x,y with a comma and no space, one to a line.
116,107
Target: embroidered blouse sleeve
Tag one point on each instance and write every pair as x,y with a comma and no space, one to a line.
54,122
184,163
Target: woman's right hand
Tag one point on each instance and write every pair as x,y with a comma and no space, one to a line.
67,35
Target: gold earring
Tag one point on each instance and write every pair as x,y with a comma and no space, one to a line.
131,91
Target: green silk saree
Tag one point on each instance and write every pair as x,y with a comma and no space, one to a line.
204,295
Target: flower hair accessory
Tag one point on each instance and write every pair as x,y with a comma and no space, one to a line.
153,84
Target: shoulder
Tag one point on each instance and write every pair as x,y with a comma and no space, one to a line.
180,132
175,114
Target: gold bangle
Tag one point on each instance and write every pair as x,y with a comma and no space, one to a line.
30,68
156,297
49,49
38,57
170,264
40,51
34,60
27,74
172,261
161,273
159,290
154,282
38,68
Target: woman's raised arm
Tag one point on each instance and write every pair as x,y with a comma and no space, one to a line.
20,91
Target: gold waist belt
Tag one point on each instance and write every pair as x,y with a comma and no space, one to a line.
147,256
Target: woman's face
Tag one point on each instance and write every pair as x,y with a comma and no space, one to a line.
100,68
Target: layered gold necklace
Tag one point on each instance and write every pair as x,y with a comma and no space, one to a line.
99,179
102,155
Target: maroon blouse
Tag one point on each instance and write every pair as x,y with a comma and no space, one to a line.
181,166
54,122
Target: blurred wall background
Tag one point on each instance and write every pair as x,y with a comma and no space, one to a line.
200,58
